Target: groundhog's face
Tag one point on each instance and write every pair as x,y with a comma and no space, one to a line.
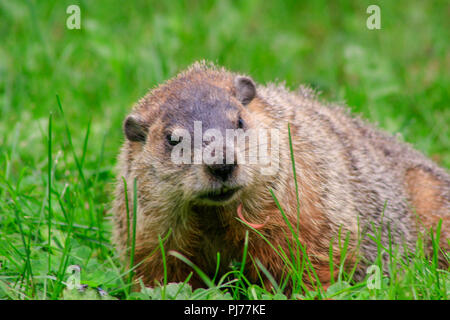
192,141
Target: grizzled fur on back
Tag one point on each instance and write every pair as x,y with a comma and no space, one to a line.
351,178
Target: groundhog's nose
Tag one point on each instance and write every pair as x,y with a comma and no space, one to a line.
221,171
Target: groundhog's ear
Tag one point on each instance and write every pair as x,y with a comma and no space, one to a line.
135,129
245,89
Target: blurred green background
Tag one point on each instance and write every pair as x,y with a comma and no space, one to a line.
398,77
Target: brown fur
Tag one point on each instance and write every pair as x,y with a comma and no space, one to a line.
349,176
426,198
430,205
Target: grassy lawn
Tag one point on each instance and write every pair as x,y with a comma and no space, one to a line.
57,160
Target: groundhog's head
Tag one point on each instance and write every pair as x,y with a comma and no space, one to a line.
199,137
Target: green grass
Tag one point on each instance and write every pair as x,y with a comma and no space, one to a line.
64,94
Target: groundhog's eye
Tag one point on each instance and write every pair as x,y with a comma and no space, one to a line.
173,142
240,123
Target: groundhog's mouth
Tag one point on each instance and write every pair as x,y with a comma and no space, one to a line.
219,195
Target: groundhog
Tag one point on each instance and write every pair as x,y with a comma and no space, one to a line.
353,184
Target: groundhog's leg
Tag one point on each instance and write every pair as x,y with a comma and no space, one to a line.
429,201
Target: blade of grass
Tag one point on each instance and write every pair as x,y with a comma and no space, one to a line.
163,256
127,209
85,143
133,239
294,172
49,191
69,138
201,274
